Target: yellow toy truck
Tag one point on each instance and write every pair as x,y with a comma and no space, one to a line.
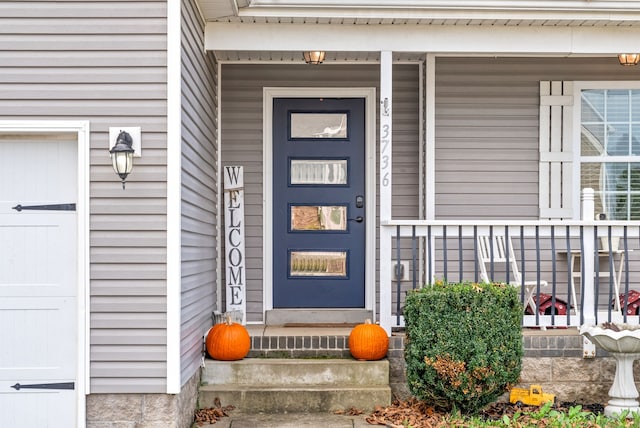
531,397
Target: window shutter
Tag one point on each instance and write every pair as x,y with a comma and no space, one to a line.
556,150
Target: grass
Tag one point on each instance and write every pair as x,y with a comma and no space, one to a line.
415,414
547,416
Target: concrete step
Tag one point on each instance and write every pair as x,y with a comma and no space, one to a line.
295,385
290,372
295,399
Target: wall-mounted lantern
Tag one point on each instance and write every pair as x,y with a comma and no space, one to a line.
123,150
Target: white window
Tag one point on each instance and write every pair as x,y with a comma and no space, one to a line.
607,146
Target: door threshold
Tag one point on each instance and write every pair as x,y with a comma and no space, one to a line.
317,317
321,325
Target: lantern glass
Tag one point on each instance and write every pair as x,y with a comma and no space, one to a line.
314,57
122,163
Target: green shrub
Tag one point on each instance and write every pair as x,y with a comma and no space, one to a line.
464,343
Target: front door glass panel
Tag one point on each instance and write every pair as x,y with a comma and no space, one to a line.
318,125
318,217
319,171
318,264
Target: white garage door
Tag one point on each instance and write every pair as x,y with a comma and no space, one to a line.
38,280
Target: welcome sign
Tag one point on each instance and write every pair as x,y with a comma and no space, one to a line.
235,273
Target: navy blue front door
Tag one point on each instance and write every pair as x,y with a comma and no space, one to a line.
318,203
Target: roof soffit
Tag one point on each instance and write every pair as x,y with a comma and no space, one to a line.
458,12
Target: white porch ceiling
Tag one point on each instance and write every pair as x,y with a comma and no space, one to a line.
440,40
357,30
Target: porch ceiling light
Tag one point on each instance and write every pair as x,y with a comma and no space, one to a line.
314,57
629,59
122,155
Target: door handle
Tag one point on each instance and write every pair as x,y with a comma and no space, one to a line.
358,219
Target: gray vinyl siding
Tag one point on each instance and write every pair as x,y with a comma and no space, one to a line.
105,62
487,113
242,140
199,189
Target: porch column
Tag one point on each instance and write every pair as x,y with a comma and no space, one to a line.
386,92
589,306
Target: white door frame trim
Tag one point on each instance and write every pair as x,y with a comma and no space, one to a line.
369,94
82,130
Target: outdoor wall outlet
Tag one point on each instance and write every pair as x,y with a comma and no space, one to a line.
401,270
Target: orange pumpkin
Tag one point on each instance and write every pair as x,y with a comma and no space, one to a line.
368,342
228,341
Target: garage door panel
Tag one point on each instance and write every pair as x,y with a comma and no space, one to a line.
36,408
35,258
39,170
38,338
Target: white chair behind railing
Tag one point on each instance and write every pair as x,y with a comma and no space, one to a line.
493,249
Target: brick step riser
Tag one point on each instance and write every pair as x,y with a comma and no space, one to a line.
332,346
299,347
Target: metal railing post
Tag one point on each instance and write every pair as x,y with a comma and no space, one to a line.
589,255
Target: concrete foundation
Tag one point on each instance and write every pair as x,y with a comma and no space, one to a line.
144,410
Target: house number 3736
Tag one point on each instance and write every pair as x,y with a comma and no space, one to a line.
384,155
